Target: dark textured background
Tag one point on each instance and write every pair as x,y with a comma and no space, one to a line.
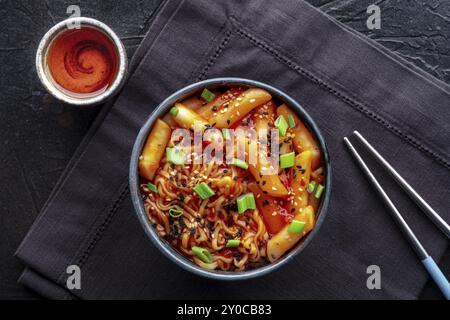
39,134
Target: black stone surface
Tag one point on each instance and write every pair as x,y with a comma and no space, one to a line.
38,134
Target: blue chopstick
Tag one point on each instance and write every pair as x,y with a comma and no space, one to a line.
437,275
428,262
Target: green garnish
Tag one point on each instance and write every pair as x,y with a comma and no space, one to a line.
233,243
296,227
208,95
174,111
281,125
319,191
204,191
152,187
203,254
311,187
175,156
291,121
239,163
245,202
175,213
226,134
287,160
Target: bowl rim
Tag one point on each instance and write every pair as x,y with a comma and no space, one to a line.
136,197
49,84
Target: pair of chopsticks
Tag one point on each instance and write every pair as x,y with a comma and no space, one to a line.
431,266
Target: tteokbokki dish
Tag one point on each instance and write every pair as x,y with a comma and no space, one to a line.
242,210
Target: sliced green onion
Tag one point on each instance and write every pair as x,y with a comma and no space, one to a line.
291,121
174,111
311,187
226,134
203,254
233,243
175,156
239,163
287,160
281,125
204,191
152,187
245,202
319,191
296,227
175,213
208,95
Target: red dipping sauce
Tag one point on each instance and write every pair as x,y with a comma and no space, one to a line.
83,61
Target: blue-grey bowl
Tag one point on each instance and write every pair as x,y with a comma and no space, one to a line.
166,247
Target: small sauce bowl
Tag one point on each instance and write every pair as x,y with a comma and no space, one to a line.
118,63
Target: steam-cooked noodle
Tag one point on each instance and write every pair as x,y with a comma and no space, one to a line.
204,223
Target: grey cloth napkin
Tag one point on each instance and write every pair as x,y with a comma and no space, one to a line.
344,80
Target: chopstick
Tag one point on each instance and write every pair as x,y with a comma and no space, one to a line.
428,262
426,208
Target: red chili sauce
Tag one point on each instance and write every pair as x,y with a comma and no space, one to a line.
83,61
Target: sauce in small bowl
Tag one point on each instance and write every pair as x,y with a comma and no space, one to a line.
84,65
83,61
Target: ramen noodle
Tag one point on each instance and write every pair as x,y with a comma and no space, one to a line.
237,207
